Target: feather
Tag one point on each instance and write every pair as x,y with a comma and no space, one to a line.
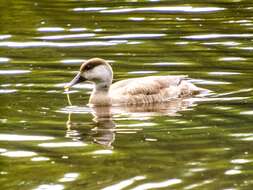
146,85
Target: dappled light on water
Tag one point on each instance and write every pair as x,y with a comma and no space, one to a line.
202,142
165,9
18,153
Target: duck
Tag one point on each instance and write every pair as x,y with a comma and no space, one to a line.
133,91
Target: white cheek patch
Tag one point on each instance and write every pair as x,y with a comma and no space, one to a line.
98,73
88,75
83,74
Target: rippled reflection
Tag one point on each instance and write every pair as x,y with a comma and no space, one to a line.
240,161
69,177
136,18
63,144
165,9
13,72
125,183
10,137
77,29
58,44
18,153
133,36
232,59
170,63
202,143
105,120
2,150
7,91
3,37
213,36
197,185
69,36
70,61
247,112
4,59
50,29
39,159
89,9
98,152
50,187
224,73
162,184
233,172
225,43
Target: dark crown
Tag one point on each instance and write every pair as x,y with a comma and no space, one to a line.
91,63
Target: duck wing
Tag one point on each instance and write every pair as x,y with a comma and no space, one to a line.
145,85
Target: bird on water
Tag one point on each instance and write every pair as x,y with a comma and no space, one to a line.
134,91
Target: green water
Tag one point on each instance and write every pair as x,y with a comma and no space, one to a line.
45,144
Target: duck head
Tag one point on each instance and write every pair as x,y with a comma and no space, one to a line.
95,70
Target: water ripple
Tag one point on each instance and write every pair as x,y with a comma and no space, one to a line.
124,183
62,144
77,29
209,82
72,61
240,161
133,36
232,59
233,172
19,154
220,99
59,44
89,9
243,136
39,159
226,43
69,177
59,29
68,36
165,9
158,184
170,63
50,29
11,137
7,91
3,37
13,72
75,109
136,18
99,152
78,86
142,72
215,36
247,112
2,150
50,187
224,73
197,185
4,59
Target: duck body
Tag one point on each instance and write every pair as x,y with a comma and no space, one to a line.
143,90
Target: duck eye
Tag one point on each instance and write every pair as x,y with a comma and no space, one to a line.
88,67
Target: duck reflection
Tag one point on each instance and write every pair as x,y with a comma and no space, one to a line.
104,118
103,127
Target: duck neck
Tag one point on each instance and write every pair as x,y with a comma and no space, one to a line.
100,95
102,87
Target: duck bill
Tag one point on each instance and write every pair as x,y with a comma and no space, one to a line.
78,78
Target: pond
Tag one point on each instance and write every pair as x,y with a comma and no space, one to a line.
203,143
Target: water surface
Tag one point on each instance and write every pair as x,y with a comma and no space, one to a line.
195,144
